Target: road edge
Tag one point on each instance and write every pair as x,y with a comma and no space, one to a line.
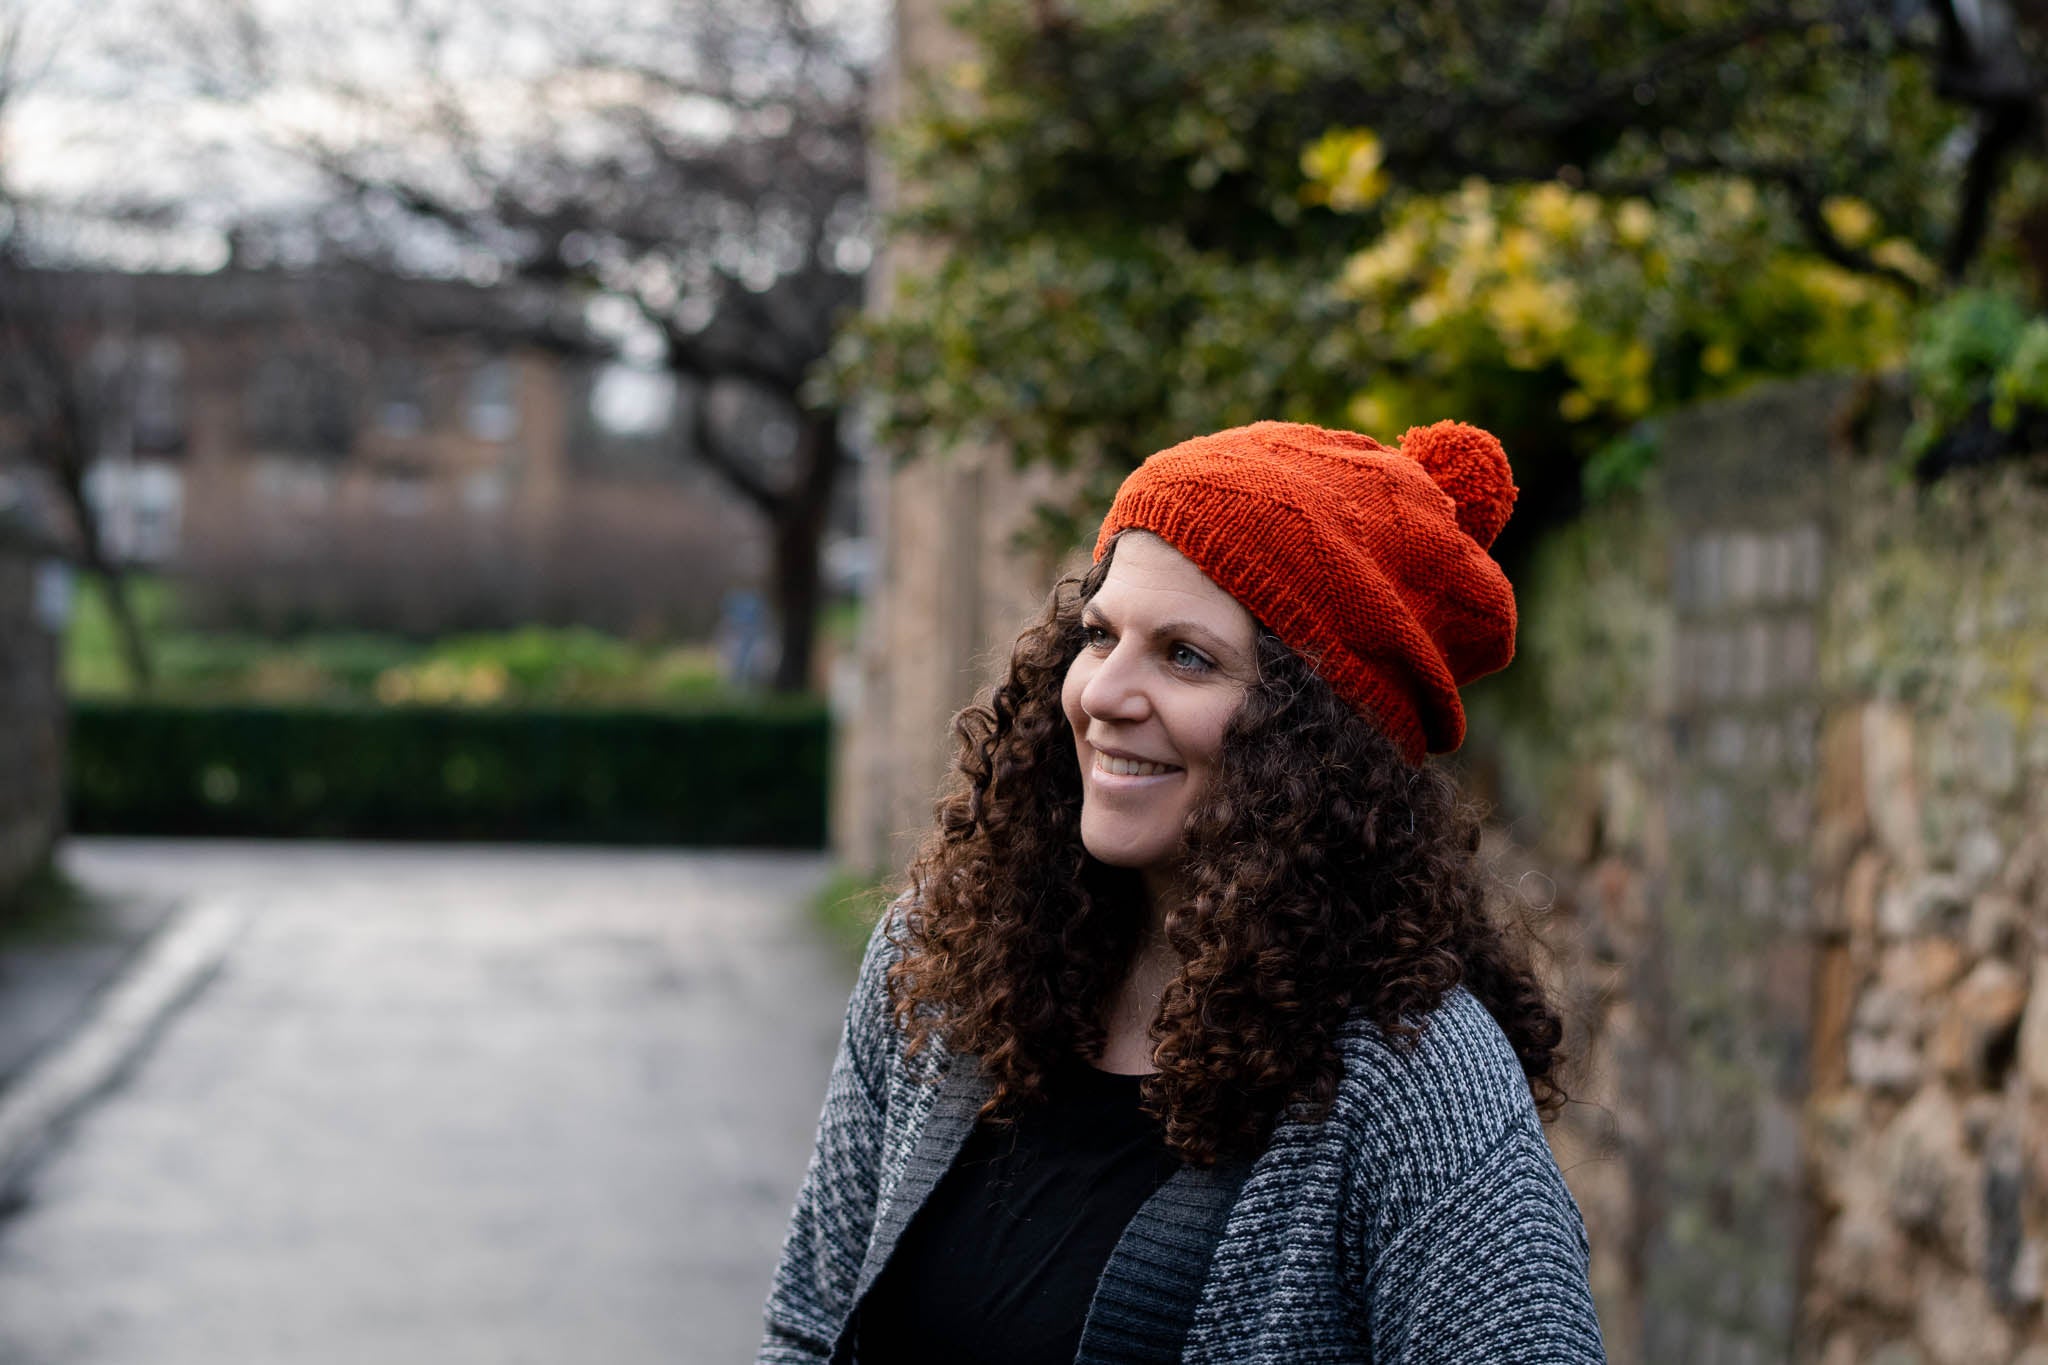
167,974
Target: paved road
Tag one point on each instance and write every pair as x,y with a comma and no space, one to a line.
443,1105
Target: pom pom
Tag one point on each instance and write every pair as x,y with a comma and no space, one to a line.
1470,465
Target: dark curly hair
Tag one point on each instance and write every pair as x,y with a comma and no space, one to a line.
1324,875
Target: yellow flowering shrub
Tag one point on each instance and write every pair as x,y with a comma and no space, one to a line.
1616,307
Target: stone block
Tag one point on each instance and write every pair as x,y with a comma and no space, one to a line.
1973,1043
1859,894
2031,1051
1921,968
1936,903
1863,1259
1757,672
1979,856
1742,567
1883,1062
1995,925
1998,752
1959,1325
1808,554
1890,788
1931,1180
1834,997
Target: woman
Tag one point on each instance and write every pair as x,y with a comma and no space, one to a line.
1193,1038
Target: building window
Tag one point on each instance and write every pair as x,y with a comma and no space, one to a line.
493,406
158,394
299,403
138,394
136,505
401,397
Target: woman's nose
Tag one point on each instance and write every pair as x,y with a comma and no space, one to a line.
1116,689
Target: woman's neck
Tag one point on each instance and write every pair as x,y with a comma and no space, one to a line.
1163,891
1135,1003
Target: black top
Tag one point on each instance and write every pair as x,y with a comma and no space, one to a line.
1000,1264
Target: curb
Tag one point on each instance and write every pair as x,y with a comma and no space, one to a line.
168,973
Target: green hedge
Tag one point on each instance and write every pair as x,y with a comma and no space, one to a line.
755,776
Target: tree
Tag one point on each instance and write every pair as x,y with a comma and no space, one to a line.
1164,218
53,401
702,165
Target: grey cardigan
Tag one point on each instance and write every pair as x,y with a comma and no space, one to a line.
1423,1220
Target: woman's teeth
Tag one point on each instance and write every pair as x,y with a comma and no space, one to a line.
1130,767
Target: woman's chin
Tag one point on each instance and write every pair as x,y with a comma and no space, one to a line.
1135,855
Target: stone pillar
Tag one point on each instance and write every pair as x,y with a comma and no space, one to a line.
951,588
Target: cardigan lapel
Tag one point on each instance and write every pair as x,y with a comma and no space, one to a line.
961,1095
1145,1301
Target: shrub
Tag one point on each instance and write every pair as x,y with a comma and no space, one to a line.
733,776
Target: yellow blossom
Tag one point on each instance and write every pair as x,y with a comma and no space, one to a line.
1389,260
1519,249
1902,256
1634,221
1718,359
1369,412
1560,213
1849,218
486,683
1343,168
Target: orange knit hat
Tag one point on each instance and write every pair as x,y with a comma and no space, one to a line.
1371,563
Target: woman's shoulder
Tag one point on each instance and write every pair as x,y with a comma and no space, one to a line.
1435,1106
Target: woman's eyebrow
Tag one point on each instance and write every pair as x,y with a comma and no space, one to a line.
1167,630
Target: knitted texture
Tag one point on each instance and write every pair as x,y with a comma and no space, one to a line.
1371,563
1422,1221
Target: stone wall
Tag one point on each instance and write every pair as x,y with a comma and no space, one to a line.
1778,738
31,716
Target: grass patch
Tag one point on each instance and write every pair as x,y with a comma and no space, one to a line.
93,664
48,908
847,906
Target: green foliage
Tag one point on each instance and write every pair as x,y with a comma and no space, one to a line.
753,776
1164,218
1089,355
533,666
1977,355
1622,464
2022,381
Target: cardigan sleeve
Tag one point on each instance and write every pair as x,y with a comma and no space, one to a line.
1495,1268
835,1207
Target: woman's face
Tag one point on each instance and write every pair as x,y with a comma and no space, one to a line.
1166,662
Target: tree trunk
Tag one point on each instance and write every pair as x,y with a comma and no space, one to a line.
799,530
66,460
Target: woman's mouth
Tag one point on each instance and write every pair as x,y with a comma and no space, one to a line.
1130,767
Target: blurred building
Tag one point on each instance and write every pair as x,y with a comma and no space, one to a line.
342,447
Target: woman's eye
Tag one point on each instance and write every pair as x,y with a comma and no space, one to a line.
1095,637
1184,657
